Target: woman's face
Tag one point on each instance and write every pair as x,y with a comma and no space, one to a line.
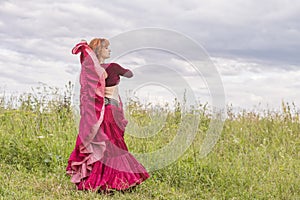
105,52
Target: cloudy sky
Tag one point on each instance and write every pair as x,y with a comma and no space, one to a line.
253,44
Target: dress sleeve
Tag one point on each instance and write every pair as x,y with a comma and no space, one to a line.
122,71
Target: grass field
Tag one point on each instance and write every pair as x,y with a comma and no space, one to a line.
256,157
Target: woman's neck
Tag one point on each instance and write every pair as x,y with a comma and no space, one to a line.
101,60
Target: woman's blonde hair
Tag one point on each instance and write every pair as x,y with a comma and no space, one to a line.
97,44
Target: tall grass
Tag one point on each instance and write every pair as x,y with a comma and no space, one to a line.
257,156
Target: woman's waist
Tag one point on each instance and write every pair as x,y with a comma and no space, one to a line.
112,92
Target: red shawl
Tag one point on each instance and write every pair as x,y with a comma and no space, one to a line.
91,139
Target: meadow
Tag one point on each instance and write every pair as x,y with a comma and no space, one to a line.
256,157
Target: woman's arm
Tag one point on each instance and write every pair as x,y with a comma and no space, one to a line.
122,71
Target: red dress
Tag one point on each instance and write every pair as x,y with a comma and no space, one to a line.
100,159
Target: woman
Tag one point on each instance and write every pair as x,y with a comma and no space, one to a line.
100,160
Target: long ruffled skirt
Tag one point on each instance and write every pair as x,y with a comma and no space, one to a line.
117,169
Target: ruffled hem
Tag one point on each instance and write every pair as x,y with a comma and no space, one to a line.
117,169
79,170
118,173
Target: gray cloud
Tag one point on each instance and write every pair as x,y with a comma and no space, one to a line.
265,30
253,43
266,85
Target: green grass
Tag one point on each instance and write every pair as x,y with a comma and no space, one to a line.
256,157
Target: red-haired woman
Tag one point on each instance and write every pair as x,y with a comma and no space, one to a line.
100,160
